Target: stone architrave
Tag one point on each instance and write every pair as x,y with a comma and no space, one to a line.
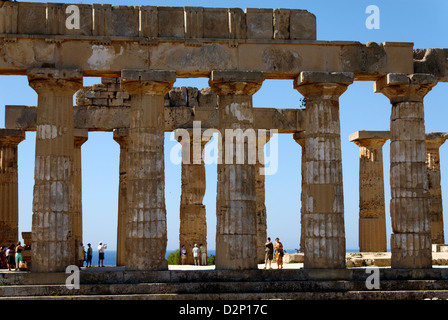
121,137
236,231
9,192
409,210
299,137
52,223
433,142
146,235
193,221
372,211
80,136
323,215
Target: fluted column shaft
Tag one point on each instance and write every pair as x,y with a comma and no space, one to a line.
299,137
372,211
146,237
52,223
433,143
80,137
9,191
121,137
409,210
193,222
236,232
260,191
322,182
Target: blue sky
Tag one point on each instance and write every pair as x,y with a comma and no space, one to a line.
360,109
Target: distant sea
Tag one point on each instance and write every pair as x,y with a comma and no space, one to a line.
110,257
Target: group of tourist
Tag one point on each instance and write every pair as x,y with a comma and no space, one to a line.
270,250
11,257
86,256
199,255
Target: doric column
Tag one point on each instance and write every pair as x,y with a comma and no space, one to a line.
81,136
299,137
411,238
121,137
146,235
9,190
236,232
322,183
261,198
372,211
433,142
52,225
193,222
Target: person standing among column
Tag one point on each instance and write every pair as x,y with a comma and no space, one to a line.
323,214
236,231
52,223
409,210
146,235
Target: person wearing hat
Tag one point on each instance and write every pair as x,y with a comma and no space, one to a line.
101,248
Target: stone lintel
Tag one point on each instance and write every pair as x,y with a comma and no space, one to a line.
94,118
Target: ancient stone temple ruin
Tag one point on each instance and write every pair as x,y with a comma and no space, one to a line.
140,58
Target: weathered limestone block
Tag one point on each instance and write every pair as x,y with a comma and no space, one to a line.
323,203
9,193
52,223
372,216
433,142
411,238
146,225
236,232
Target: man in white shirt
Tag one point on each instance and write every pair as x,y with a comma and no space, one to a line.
196,253
101,248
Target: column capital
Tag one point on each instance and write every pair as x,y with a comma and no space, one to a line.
121,136
236,82
153,82
322,85
299,137
369,138
81,136
11,136
435,139
49,79
401,87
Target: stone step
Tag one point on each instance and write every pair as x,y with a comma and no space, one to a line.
241,296
223,288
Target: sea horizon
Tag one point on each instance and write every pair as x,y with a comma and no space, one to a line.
110,256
